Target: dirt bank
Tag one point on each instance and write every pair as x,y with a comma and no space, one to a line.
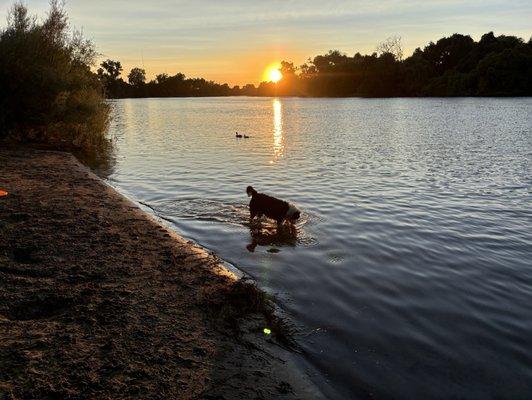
97,300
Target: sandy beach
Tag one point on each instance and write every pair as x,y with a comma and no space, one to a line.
98,300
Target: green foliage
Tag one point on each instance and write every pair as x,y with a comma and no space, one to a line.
48,94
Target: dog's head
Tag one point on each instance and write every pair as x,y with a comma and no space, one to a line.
250,191
293,214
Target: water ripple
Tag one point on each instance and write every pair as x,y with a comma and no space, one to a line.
411,264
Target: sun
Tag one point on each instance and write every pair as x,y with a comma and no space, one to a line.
275,75
272,73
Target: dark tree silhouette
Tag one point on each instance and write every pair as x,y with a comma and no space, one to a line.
160,78
110,68
109,75
452,66
137,77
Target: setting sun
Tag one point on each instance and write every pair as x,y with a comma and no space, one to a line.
272,73
391,193
275,75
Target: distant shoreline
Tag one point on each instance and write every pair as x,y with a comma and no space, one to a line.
100,300
456,65
324,97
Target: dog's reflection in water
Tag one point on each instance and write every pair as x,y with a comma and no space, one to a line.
271,235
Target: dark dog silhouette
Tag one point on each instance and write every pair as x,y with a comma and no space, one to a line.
278,210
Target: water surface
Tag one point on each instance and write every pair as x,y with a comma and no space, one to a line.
410,273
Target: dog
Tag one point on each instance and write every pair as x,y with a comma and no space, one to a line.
278,210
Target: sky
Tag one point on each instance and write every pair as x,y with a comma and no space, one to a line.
234,41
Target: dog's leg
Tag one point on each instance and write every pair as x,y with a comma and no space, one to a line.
293,229
252,214
251,247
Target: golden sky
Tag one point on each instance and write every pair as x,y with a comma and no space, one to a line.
234,40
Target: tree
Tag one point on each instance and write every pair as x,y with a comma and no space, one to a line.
289,85
109,75
391,45
160,78
417,72
453,66
111,69
448,53
508,73
137,77
48,93
287,68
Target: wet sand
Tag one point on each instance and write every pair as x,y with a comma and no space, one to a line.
98,300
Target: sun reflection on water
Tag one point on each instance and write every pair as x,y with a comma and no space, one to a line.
278,139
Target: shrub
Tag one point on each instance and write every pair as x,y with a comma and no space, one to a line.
48,94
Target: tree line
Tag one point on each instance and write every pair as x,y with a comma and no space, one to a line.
163,85
51,94
453,66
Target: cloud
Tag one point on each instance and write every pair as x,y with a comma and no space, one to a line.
190,32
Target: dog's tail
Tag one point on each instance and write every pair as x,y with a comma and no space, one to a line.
250,191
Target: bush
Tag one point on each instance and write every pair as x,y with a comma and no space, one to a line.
48,94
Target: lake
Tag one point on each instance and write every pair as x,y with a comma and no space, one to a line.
410,273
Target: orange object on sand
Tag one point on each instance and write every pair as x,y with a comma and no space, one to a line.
3,193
